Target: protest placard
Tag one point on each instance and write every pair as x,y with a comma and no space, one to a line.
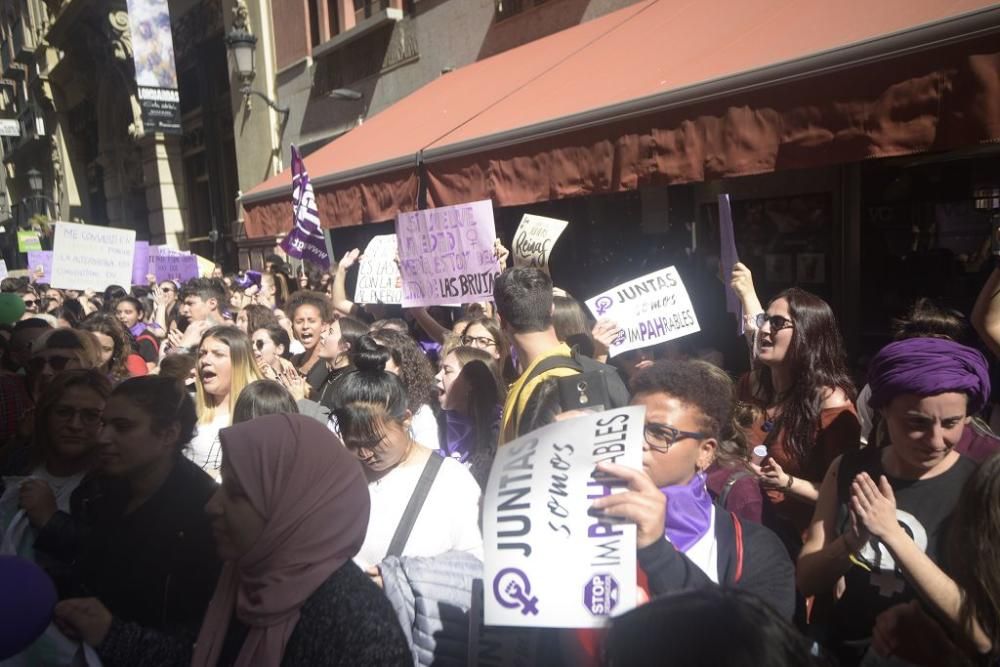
91,257
378,274
537,510
728,257
446,254
534,239
3,268
169,264
140,263
28,240
40,259
652,309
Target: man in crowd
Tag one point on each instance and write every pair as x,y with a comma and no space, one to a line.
202,299
524,303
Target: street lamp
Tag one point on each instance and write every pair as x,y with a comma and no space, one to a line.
242,44
35,182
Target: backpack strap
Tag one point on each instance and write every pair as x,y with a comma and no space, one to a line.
738,529
544,366
415,504
728,486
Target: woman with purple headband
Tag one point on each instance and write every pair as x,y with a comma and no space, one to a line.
884,512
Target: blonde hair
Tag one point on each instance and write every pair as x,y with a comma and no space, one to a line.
243,371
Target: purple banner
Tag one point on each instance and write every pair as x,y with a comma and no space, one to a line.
728,257
140,263
306,240
40,259
169,264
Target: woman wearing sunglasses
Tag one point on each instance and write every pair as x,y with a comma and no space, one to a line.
804,397
58,350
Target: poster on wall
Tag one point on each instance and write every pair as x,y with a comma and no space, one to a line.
155,74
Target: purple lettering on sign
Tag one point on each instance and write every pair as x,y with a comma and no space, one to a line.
512,589
600,595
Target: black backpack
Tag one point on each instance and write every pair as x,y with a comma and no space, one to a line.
618,395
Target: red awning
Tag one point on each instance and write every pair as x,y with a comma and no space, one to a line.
665,92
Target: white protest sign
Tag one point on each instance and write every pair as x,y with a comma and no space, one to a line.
3,268
534,239
446,254
91,257
536,511
378,274
652,309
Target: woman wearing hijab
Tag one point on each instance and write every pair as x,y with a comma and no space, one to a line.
291,513
925,389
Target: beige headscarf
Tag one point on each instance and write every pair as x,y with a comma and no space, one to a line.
313,496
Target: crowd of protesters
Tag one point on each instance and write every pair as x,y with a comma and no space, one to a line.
254,470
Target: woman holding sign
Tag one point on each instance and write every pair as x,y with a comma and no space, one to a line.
804,398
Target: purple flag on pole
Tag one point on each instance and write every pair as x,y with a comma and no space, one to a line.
728,258
305,241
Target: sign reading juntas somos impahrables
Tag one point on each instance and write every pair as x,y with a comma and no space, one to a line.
91,257
537,510
649,310
446,254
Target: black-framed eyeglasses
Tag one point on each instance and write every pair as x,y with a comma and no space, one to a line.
478,341
777,322
88,417
661,437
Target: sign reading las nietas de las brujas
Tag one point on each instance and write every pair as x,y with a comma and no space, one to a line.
536,511
649,310
446,254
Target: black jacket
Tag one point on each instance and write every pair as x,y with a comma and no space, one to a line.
764,568
156,566
347,622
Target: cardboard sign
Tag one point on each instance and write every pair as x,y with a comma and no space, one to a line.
169,264
205,265
40,259
446,254
652,309
728,257
28,240
3,268
378,274
91,257
140,263
534,239
537,510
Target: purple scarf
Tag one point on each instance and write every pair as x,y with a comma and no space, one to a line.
459,436
137,330
689,512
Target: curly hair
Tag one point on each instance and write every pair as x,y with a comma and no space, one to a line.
415,370
696,384
309,298
108,324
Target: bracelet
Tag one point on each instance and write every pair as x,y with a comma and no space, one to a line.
791,480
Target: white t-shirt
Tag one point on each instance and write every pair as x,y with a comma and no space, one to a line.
448,521
205,450
424,428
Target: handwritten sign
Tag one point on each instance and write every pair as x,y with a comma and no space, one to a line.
40,259
537,510
652,309
534,239
169,264
91,257
378,275
446,254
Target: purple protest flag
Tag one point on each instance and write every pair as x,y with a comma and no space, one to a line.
140,263
305,241
729,258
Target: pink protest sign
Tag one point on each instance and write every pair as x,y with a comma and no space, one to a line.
40,259
446,254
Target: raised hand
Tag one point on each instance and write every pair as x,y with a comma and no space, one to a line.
875,505
349,259
643,504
